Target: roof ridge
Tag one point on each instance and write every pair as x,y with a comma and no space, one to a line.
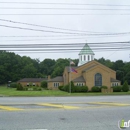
86,50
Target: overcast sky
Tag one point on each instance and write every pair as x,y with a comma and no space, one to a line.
91,16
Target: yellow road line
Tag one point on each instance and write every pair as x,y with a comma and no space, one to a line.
109,103
10,108
58,106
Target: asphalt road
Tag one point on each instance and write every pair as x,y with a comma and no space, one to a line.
63,113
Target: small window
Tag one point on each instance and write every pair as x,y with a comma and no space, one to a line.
81,57
34,84
84,58
88,58
56,84
27,84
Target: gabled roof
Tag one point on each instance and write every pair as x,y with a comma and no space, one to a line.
89,68
86,50
79,79
56,79
114,80
33,80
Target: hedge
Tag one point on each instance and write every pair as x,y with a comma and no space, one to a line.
96,89
117,88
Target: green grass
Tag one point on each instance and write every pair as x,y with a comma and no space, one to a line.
4,91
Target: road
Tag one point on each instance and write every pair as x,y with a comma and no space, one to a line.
63,113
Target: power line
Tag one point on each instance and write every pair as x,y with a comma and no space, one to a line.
62,3
16,27
45,26
28,8
31,29
80,43
67,49
81,14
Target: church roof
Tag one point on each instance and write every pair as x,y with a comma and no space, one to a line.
56,79
33,80
89,68
114,80
86,50
79,79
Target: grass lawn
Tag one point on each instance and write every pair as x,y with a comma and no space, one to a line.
4,91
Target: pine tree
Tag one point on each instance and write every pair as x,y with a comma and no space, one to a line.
125,87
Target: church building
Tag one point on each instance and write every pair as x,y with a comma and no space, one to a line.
88,73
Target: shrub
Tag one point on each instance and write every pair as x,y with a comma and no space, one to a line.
125,87
67,87
39,88
117,88
44,84
81,88
25,88
35,88
13,85
60,88
105,87
20,87
96,89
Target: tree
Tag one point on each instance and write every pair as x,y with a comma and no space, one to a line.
125,87
47,66
59,67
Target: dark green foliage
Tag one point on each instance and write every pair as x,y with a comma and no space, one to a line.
105,87
59,67
60,88
96,89
13,85
44,84
117,88
20,87
73,88
125,87
81,88
67,87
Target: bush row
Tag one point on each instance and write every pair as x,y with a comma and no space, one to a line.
73,88
30,88
37,87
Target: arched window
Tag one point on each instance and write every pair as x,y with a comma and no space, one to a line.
98,79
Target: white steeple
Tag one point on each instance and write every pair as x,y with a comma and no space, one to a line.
85,55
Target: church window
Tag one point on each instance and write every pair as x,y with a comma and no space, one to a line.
56,84
84,58
88,58
81,57
98,79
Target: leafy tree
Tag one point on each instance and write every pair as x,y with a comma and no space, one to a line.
47,66
125,87
59,67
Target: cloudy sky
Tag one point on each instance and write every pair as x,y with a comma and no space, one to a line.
103,24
